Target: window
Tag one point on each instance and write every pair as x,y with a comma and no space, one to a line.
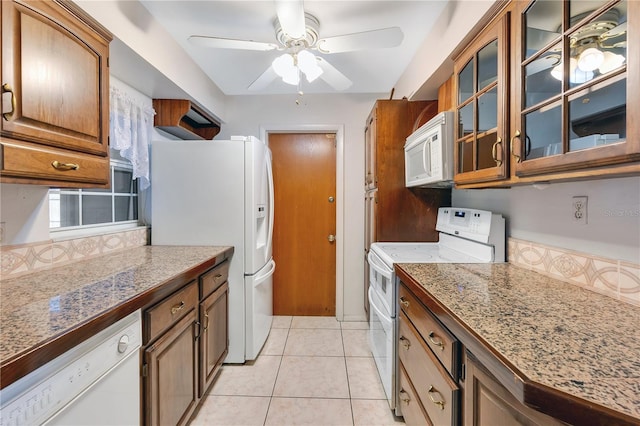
83,208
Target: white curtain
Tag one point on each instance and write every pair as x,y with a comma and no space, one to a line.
130,132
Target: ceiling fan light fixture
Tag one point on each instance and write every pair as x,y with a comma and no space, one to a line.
308,64
590,59
284,66
611,62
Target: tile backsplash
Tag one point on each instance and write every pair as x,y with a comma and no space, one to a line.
611,277
26,258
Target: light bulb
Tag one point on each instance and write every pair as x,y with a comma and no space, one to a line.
590,59
308,64
611,62
282,64
557,71
576,75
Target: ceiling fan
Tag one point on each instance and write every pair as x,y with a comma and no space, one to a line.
297,34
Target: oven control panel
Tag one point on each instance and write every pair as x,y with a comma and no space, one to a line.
472,224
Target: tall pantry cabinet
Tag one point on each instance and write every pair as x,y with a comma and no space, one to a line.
394,212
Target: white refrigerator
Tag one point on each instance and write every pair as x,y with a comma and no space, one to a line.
220,192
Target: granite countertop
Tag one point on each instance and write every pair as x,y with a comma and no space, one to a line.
556,334
38,308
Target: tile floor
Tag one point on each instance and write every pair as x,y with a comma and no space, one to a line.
311,371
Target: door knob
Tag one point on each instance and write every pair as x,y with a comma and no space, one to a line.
331,199
331,238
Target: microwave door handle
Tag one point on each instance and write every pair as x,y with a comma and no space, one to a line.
426,151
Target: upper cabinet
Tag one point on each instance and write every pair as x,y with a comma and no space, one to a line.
575,104
549,90
55,95
481,78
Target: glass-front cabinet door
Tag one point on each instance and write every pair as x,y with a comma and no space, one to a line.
576,85
481,81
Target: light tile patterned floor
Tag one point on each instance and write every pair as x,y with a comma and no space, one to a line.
311,371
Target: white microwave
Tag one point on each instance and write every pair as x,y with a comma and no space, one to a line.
428,153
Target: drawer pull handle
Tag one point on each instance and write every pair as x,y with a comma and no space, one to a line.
218,276
404,397
64,166
440,401
437,342
405,342
177,308
404,302
206,321
6,88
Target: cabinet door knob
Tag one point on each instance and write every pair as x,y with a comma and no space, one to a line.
494,152
517,156
6,88
404,302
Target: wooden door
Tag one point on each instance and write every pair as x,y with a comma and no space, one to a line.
214,340
304,173
171,383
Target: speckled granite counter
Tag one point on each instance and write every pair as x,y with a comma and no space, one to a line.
569,340
40,310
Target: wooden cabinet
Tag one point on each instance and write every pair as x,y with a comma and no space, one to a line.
565,77
394,212
184,119
55,95
488,403
576,98
401,214
186,341
481,80
171,376
429,359
214,340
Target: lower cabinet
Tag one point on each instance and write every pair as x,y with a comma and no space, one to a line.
487,402
438,386
186,341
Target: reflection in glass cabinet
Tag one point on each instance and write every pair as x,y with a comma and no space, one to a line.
573,77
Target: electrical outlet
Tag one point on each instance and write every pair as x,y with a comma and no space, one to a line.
579,209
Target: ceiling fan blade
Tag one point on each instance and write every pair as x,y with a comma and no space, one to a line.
265,79
332,76
291,16
374,39
230,43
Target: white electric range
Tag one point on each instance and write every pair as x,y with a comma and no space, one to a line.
466,236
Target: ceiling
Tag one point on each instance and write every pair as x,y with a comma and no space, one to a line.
372,71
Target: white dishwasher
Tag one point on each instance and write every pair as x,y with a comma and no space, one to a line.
95,383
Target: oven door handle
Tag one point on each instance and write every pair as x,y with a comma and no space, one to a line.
376,263
385,318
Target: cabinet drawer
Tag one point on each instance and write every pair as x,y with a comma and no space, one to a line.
444,345
170,310
438,393
412,410
27,161
211,280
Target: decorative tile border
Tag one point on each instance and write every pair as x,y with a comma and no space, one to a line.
24,259
614,278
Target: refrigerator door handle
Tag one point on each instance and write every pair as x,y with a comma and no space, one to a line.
260,278
271,198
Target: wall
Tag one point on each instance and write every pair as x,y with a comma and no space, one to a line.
544,215
248,113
